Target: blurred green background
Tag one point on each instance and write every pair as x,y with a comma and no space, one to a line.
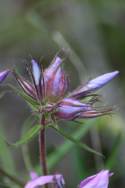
93,34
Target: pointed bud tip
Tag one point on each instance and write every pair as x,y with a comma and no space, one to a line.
109,76
115,73
58,58
33,61
57,61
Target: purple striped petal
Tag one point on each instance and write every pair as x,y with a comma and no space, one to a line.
69,109
52,69
50,72
56,82
58,85
94,84
100,180
26,86
3,75
42,180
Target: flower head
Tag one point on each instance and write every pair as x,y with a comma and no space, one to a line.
99,180
48,88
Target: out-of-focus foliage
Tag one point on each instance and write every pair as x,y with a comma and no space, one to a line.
92,32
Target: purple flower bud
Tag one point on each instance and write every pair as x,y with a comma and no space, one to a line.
69,109
99,180
26,86
56,82
58,85
92,113
52,69
42,180
36,72
49,73
94,84
3,75
100,81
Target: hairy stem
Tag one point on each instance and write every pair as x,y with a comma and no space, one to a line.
42,149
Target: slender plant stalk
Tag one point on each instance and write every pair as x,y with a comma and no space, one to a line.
12,178
43,152
42,149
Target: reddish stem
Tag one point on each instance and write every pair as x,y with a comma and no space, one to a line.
42,149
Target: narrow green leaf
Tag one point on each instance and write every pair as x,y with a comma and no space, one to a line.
6,158
29,135
30,121
77,142
63,149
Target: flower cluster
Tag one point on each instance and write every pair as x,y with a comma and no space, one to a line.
48,88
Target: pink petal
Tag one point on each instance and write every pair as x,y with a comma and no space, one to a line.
42,180
99,180
33,175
